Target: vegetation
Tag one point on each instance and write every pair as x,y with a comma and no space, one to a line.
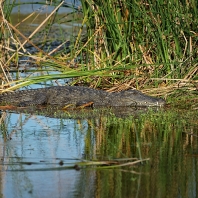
139,44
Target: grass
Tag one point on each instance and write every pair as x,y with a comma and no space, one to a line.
126,45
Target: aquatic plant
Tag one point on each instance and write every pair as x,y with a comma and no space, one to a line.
126,44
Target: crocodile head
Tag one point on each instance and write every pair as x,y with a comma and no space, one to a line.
136,98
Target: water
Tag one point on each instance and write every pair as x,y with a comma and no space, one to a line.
42,143
39,155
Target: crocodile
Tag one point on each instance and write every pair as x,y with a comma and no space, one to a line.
62,96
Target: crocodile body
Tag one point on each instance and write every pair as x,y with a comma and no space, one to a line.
77,95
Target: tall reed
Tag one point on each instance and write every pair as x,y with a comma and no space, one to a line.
158,37
136,43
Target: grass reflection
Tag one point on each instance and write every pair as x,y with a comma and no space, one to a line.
147,154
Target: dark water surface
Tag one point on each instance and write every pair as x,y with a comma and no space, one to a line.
38,155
